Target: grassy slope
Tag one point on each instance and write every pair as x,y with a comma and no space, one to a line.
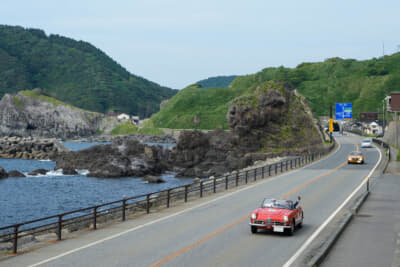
363,83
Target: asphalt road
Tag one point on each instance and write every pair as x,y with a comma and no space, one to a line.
214,231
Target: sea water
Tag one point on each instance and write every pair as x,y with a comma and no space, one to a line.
34,197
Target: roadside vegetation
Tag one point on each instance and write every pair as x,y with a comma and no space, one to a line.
127,128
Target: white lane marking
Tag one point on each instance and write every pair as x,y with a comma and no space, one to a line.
173,215
319,230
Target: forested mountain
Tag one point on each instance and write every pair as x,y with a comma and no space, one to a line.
75,72
363,83
219,81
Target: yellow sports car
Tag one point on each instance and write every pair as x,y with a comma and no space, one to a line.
355,157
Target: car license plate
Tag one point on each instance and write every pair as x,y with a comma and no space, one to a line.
278,228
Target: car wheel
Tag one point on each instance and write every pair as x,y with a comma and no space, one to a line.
253,229
291,229
301,223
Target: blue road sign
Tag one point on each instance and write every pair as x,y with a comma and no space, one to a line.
344,111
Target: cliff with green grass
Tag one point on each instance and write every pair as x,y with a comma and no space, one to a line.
363,83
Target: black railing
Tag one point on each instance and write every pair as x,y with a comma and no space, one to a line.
382,144
91,217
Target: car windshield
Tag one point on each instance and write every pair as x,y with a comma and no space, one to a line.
366,141
277,203
355,153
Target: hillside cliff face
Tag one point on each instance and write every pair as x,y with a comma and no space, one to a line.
272,121
29,113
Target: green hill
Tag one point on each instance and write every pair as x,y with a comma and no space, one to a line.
336,80
75,72
219,81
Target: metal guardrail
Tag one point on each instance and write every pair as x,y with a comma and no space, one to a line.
382,144
91,217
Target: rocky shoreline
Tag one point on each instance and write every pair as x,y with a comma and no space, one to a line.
30,148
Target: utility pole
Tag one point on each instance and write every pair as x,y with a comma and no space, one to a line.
330,124
383,118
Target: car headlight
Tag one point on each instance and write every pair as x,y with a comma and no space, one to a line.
285,219
253,216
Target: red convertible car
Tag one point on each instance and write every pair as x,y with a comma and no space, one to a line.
278,215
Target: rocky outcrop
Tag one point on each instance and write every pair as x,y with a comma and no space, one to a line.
122,158
16,173
38,172
270,122
3,173
153,179
30,148
29,113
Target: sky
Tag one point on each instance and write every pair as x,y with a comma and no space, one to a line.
176,43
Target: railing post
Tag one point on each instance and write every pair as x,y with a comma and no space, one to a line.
186,192
123,209
255,174
215,185
262,173
59,227
168,197
287,163
95,218
291,161
247,172
276,168
148,203
237,178
15,239
226,182
281,166
269,170
201,189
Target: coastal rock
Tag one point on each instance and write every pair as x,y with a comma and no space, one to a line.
273,118
3,173
33,114
69,171
122,158
37,172
153,179
15,173
30,148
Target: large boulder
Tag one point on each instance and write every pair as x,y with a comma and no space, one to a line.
37,172
3,173
153,179
15,173
122,158
271,119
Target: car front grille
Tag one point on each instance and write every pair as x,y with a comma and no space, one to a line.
268,222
